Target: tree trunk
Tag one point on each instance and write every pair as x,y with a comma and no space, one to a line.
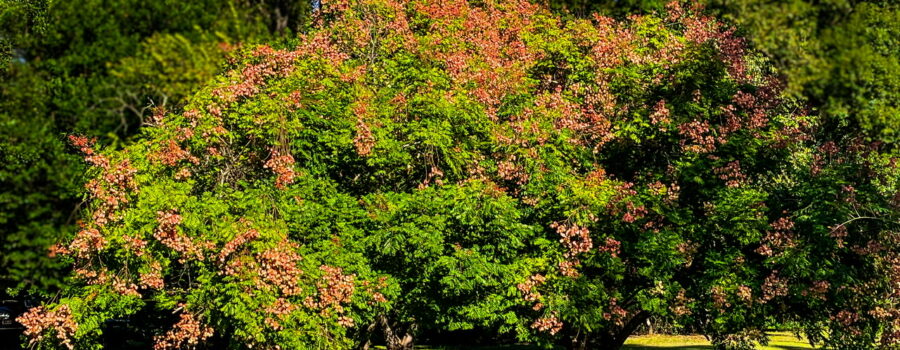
393,340
618,339
610,341
579,341
365,345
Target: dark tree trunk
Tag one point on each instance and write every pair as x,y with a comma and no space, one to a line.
609,341
367,336
616,341
393,339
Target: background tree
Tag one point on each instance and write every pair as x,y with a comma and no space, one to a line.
842,56
96,67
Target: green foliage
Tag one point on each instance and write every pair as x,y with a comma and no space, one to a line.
618,8
427,167
842,56
839,56
96,67
456,251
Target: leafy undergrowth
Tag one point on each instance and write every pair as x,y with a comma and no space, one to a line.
777,341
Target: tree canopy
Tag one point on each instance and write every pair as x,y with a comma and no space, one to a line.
838,56
408,168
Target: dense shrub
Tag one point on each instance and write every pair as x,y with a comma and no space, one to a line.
438,166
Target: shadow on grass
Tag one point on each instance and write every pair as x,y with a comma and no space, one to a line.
702,347
670,347
488,347
625,347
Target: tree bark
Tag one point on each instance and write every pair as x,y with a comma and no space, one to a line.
393,340
609,341
617,340
365,345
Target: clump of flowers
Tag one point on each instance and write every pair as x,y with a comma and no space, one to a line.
550,324
236,243
187,333
278,267
577,240
283,166
279,309
774,286
364,140
153,278
334,291
171,154
731,173
39,320
87,242
168,234
779,238
528,288
109,190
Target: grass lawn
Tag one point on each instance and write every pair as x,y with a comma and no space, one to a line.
778,341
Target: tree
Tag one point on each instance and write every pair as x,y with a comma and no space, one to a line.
94,67
838,56
431,166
